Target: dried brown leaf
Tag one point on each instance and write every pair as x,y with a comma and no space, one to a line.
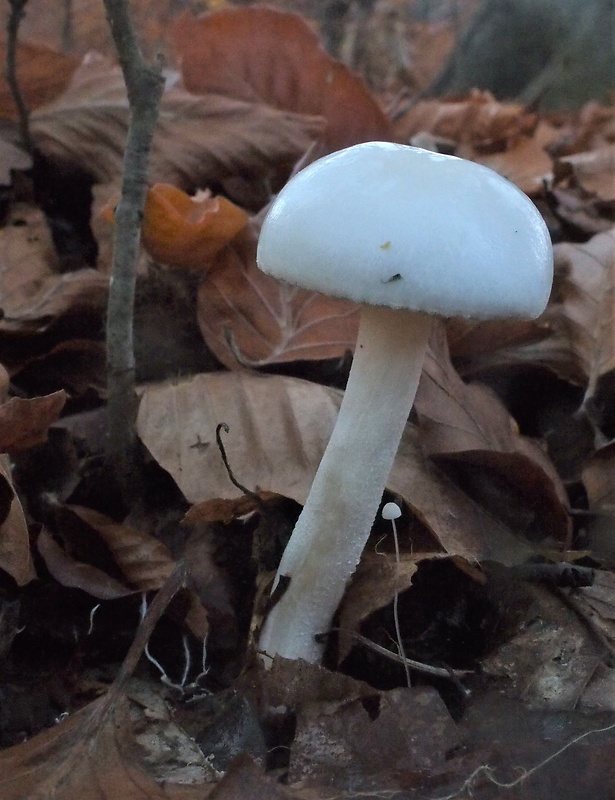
24,422
248,317
279,428
36,306
478,119
412,732
458,524
75,574
42,74
199,139
581,313
143,560
275,58
468,424
15,556
91,756
595,171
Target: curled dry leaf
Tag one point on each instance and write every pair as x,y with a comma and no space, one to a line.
188,232
198,140
595,171
24,422
468,424
262,55
478,119
247,317
42,73
503,136
15,556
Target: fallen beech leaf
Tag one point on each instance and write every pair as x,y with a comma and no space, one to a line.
599,481
198,140
279,428
49,298
78,366
468,424
274,57
525,162
188,232
595,171
91,756
28,257
278,431
75,574
478,119
24,423
15,556
143,560
412,732
456,523
581,314
378,577
248,317
42,74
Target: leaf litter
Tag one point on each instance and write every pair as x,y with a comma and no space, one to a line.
486,504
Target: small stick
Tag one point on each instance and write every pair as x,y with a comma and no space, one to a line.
144,86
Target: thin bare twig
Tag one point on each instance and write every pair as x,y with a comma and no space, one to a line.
144,85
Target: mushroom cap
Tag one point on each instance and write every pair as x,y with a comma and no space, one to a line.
394,225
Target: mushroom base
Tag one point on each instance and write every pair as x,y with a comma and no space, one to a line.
333,528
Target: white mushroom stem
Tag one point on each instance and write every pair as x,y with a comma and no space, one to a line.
333,528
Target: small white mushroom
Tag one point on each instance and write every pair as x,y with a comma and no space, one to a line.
407,233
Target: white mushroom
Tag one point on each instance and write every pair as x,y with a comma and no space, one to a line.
407,233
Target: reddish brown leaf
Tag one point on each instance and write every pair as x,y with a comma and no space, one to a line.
24,423
273,57
198,139
42,74
15,557
188,232
248,317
